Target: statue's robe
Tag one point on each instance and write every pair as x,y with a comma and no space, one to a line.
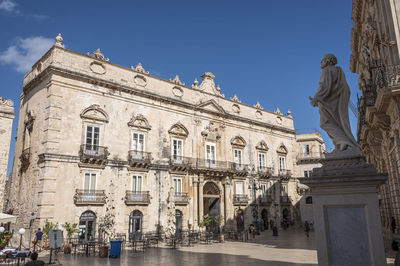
333,99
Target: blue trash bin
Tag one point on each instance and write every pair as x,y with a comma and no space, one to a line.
115,250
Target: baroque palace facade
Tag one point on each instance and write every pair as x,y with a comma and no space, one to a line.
376,58
107,146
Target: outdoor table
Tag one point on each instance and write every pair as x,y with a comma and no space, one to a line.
135,242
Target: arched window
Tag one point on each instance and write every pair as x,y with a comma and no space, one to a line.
178,221
135,225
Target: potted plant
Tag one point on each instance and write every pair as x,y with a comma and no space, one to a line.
204,223
218,221
70,229
4,238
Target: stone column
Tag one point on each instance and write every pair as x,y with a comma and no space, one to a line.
201,207
221,201
195,214
346,212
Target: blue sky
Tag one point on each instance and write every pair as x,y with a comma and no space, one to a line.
267,51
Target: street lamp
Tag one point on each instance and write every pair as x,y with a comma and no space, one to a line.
253,186
2,229
20,232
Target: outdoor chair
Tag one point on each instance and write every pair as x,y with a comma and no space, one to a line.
121,236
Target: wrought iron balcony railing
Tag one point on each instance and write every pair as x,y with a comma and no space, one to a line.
286,200
93,153
181,198
89,197
310,156
181,160
265,171
240,199
137,197
386,76
139,159
213,164
285,173
266,199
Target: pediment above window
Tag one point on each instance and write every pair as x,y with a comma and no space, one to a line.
140,122
262,146
94,112
282,149
238,141
211,105
178,129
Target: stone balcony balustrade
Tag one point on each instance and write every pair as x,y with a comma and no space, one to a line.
89,197
137,197
312,157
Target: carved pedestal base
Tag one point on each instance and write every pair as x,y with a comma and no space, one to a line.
346,212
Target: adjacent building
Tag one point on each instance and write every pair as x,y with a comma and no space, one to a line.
375,57
116,148
6,120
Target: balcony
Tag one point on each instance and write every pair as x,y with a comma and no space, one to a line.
89,197
313,157
286,200
181,198
266,200
213,167
25,158
285,173
180,163
139,159
93,154
137,197
240,199
240,169
265,172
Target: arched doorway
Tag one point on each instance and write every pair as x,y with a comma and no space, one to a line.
285,218
87,226
264,218
135,224
178,222
211,204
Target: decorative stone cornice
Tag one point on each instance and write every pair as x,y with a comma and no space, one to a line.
6,107
176,80
235,99
258,106
139,68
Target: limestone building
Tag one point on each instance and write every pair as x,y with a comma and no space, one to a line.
113,147
375,57
310,150
6,119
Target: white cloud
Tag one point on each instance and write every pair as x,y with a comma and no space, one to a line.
25,52
8,5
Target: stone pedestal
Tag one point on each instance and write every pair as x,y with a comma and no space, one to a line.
347,221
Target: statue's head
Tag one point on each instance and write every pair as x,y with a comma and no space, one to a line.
328,60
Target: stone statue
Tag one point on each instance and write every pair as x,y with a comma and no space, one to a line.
332,98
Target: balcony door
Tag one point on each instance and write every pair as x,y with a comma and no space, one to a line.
263,190
261,161
177,150
239,188
238,158
210,154
138,145
282,165
89,187
137,181
92,140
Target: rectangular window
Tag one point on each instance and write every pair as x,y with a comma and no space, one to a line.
307,173
177,148
92,139
306,150
237,158
284,190
263,189
137,181
282,164
239,188
211,154
90,182
178,185
138,142
261,161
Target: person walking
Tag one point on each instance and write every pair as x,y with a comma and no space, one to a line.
307,228
38,239
253,231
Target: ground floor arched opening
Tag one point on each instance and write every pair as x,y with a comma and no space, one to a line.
135,224
87,226
212,205
264,219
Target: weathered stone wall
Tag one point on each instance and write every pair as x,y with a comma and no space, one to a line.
65,91
6,120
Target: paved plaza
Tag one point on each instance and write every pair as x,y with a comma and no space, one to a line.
290,248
